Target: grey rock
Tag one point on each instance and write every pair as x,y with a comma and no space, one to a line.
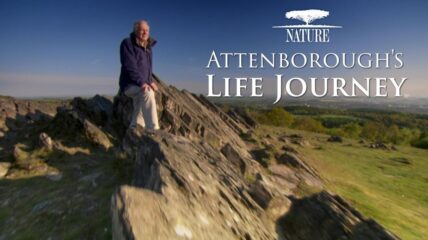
242,116
46,141
97,109
232,155
379,145
41,206
71,122
187,195
293,160
260,192
4,168
96,135
327,216
335,138
18,153
288,148
54,176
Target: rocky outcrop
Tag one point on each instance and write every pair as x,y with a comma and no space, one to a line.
327,216
241,115
291,159
23,111
188,190
185,114
97,109
69,122
195,179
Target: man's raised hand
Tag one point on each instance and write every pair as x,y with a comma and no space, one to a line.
145,87
154,86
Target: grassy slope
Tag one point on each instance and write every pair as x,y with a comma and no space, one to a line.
377,182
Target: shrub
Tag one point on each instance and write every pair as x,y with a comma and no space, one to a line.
373,131
423,143
277,116
336,132
309,124
352,130
393,134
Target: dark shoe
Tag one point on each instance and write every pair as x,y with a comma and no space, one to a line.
151,131
135,131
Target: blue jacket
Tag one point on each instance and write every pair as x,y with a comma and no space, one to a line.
136,62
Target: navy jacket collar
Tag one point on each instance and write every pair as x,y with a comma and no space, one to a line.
152,41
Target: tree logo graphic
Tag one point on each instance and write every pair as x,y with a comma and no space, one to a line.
307,16
307,32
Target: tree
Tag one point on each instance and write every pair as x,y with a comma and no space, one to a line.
352,129
373,131
307,16
277,116
409,135
309,124
393,134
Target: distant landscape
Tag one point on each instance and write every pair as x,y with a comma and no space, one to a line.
397,121
62,162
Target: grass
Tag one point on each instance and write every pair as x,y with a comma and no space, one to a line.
75,207
389,186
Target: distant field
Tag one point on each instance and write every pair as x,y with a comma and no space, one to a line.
369,124
331,120
389,186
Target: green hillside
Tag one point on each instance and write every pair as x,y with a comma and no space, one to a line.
387,185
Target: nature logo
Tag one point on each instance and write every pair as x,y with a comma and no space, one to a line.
307,32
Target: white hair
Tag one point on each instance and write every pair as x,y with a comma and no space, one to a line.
138,23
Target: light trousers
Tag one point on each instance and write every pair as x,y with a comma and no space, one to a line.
144,111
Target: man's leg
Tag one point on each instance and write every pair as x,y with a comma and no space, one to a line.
137,96
150,113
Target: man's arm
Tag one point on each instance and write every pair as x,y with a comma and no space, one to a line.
129,62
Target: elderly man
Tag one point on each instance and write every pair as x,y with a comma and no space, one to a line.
136,76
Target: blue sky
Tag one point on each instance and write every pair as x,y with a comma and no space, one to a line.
70,48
